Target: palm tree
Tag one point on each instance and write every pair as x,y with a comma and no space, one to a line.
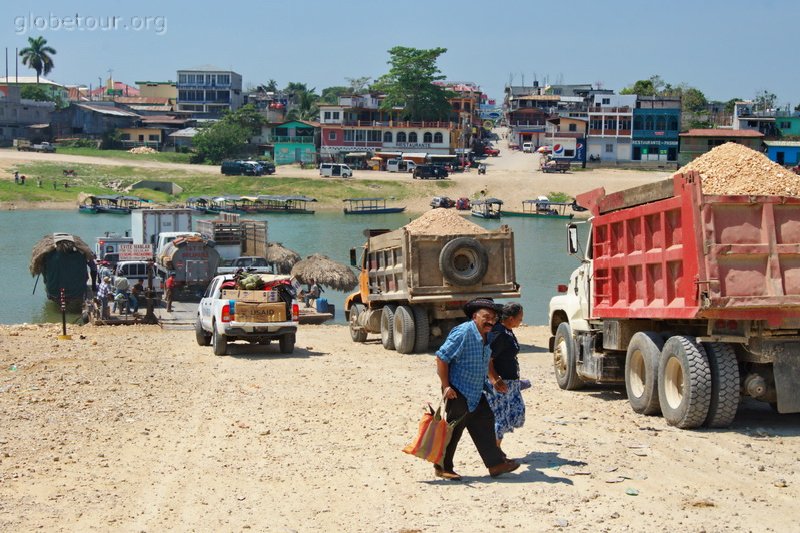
37,56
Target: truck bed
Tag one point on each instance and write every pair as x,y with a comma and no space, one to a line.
689,255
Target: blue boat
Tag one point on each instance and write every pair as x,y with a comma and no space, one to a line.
487,208
369,206
114,204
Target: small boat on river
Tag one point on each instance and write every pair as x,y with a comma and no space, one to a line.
107,203
487,208
369,206
276,204
542,207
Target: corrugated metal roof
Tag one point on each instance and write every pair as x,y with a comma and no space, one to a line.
716,132
185,132
795,144
107,110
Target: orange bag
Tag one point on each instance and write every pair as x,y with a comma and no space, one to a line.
433,436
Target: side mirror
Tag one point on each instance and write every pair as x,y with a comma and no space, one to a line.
353,256
572,241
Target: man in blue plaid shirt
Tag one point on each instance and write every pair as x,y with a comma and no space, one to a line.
462,364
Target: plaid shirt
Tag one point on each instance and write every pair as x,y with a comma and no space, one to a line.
104,290
468,358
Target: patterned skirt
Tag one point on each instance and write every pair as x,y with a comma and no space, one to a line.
508,408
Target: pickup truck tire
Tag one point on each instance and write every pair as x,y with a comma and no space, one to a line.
387,326
404,331
286,343
357,333
463,261
565,359
641,372
422,329
684,382
219,342
724,384
203,338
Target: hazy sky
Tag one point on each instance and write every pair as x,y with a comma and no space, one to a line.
727,49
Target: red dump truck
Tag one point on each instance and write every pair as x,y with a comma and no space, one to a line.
690,300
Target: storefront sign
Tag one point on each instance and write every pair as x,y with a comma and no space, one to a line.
413,145
135,252
653,142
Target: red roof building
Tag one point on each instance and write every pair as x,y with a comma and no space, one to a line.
697,142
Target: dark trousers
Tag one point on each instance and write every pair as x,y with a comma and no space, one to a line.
480,425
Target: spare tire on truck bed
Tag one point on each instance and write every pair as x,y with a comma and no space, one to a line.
464,261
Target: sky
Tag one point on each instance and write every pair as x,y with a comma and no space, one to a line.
726,48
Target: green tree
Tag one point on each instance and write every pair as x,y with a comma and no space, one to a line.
330,95
271,86
37,56
35,92
765,100
358,85
731,104
694,100
247,117
410,84
219,141
640,88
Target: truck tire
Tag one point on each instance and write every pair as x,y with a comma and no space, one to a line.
422,329
203,338
357,333
404,337
565,359
219,343
684,382
641,372
463,261
387,326
724,384
286,343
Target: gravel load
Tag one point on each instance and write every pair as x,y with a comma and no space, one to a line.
442,222
143,150
735,169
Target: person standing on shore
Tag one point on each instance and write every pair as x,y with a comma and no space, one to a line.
508,407
462,364
169,291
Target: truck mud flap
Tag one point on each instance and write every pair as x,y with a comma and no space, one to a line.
786,369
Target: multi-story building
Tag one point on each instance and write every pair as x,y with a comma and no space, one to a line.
610,127
22,118
788,123
358,125
208,91
696,142
747,117
656,126
290,142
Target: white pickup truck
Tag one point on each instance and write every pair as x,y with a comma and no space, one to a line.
260,316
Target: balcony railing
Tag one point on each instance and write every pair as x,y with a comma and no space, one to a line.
299,139
399,124
601,109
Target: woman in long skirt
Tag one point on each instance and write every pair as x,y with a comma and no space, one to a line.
508,407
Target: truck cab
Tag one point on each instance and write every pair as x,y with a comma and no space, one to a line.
166,237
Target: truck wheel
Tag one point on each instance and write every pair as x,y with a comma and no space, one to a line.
219,343
357,333
286,343
641,372
404,338
387,327
565,359
684,382
724,384
463,261
422,329
203,338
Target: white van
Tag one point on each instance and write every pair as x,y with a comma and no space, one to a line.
400,165
138,271
335,170
527,147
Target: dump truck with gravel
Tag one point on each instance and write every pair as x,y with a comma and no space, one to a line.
688,295
415,280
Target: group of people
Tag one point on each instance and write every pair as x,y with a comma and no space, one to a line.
479,373
120,293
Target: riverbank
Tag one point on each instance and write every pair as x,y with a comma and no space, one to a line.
139,429
511,177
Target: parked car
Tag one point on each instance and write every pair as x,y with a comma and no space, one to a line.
442,201
400,165
267,167
494,152
335,170
429,171
527,147
240,168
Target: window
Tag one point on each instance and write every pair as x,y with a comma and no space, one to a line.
573,127
125,137
609,148
401,136
374,136
673,123
182,78
223,79
606,101
427,137
638,123
649,123
438,138
412,137
327,115
596,123
331,135
387,136
661,123
611,123
349,135
336,115
785,125
152,137
624,123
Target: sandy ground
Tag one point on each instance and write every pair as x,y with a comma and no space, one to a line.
511,177
139,429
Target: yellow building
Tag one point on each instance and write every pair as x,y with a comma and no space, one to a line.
140,137
158,89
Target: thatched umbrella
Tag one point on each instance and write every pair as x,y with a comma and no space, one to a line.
325,271
283,258
64,244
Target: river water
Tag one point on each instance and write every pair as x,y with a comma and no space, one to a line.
540,247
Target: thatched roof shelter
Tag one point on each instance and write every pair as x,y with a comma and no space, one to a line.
283,258
325,271
61,242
